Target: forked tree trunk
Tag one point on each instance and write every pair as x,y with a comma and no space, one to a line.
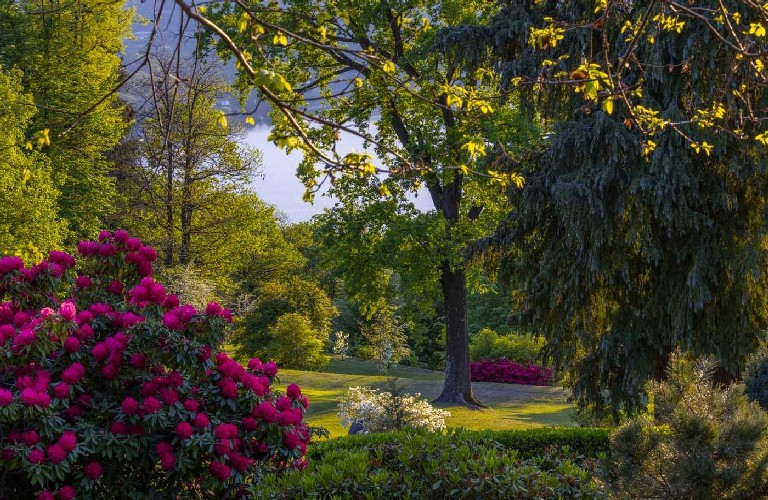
458,388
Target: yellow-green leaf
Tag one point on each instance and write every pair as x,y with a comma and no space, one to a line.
249,120
280,39
608,106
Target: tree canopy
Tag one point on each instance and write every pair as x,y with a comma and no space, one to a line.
642,222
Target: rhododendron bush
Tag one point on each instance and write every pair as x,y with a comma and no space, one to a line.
508,372
111,388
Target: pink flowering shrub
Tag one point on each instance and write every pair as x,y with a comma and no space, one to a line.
508,372
111,388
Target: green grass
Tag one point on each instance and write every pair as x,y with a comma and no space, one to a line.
510,406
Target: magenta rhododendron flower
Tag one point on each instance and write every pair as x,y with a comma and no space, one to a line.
6,397
73,373
68,311
68,440
66,492
61,390
30,438
225,431
291,440
36,456
24,337
11,263
184,430
201,420
118,428
121,236
291,416
115,287
71,344
151,404
45,312
283,403
93,470
129,406
169,396
270,369
46,495
191,405
293,391
56,453
220,470
266,412
214,309
83,282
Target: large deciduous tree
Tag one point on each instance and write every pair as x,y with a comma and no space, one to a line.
185,173
376,69
642,224
69,55
28,209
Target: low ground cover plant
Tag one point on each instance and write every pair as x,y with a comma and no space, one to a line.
509,372
110,388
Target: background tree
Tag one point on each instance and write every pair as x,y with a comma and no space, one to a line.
379,60
295,343
275,299
189,173
69,55
28,200
641,225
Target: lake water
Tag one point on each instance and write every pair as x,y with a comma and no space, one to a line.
280,187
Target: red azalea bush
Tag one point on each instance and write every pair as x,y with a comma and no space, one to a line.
111,388
508,372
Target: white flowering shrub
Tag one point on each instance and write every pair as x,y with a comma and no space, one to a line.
379,411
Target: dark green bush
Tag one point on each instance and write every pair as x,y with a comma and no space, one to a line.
703,441
756,377
459,464
591,443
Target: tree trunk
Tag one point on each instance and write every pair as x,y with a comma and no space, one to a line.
186,222
169,245
458,387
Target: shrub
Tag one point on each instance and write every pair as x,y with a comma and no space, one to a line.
274,299
419,464
520,348
507,372
109,388
379,411
294,343
528,443
703,441
756,377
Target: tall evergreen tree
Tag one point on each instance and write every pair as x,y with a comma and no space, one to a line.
642,221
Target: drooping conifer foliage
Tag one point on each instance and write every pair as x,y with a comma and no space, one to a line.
641,223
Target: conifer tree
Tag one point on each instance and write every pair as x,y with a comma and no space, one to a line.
642,221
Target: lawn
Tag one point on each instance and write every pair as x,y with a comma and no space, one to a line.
511,406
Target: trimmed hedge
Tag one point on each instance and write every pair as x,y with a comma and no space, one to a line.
458,464
589,442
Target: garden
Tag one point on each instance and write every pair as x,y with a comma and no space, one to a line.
529,260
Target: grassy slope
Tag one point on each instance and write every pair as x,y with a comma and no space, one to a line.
511,406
